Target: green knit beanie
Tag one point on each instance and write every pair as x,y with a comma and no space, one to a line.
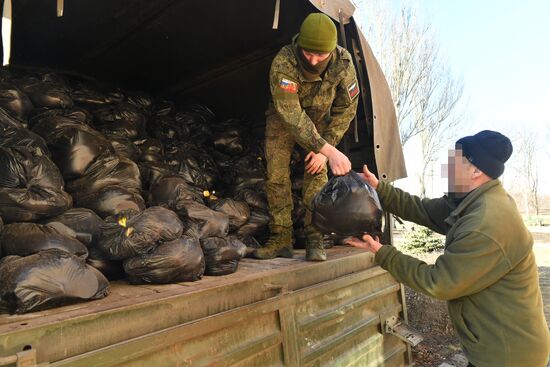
317,33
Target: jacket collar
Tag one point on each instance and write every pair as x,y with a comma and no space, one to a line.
468,200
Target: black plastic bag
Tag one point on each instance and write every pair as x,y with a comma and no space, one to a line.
151,172
14,137
23,239
347,206
111,200
152,150
90,97
15,101
204,222
135,234
73,145
122,120
31,187
45,93
140,100
106,171
175,261
193,164
166,128
222,255
254,198
7,120
256,225
76,114
172,192
48,279
227,137
237,211
111,269
82,221
124,147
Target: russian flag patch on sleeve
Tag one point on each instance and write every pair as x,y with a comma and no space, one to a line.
288,85
353,90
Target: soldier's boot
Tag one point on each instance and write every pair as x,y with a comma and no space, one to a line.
314,245
279,244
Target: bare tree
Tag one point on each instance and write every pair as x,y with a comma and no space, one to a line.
527,168
423,87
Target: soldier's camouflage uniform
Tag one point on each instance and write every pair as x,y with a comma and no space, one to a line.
310,113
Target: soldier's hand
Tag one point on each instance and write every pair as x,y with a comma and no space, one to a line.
338,162
317,162
369,177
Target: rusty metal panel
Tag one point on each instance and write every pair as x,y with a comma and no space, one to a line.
342,326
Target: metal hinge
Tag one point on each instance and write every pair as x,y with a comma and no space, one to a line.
393,325
26,358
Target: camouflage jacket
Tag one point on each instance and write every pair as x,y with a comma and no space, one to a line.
314,112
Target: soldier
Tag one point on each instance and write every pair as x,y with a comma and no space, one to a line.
314,98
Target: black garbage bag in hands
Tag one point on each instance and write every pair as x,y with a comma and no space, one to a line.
135,234
175,261
47,279
347,206
237,211
14,101
204,222
171,191
111,200
222,255
83,222
23,239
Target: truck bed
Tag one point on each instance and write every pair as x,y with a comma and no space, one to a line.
298,310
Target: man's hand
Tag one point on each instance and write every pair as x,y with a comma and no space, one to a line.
368,243
369,177
317,162
338,162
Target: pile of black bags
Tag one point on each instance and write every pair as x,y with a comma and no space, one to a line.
100,183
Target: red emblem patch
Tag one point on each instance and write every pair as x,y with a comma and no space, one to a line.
288,85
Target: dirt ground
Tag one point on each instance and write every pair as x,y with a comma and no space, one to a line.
429,316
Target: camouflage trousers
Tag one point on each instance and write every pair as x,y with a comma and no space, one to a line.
278,151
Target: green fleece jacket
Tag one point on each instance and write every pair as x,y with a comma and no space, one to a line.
487,273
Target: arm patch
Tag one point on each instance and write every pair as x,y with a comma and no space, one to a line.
353,90
288,85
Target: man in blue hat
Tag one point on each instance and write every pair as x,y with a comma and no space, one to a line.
487,272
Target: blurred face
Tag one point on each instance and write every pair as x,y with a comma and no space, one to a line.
459,172
315,57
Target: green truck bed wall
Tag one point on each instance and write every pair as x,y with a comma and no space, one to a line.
280,312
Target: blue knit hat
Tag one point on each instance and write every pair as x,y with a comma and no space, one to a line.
487,150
